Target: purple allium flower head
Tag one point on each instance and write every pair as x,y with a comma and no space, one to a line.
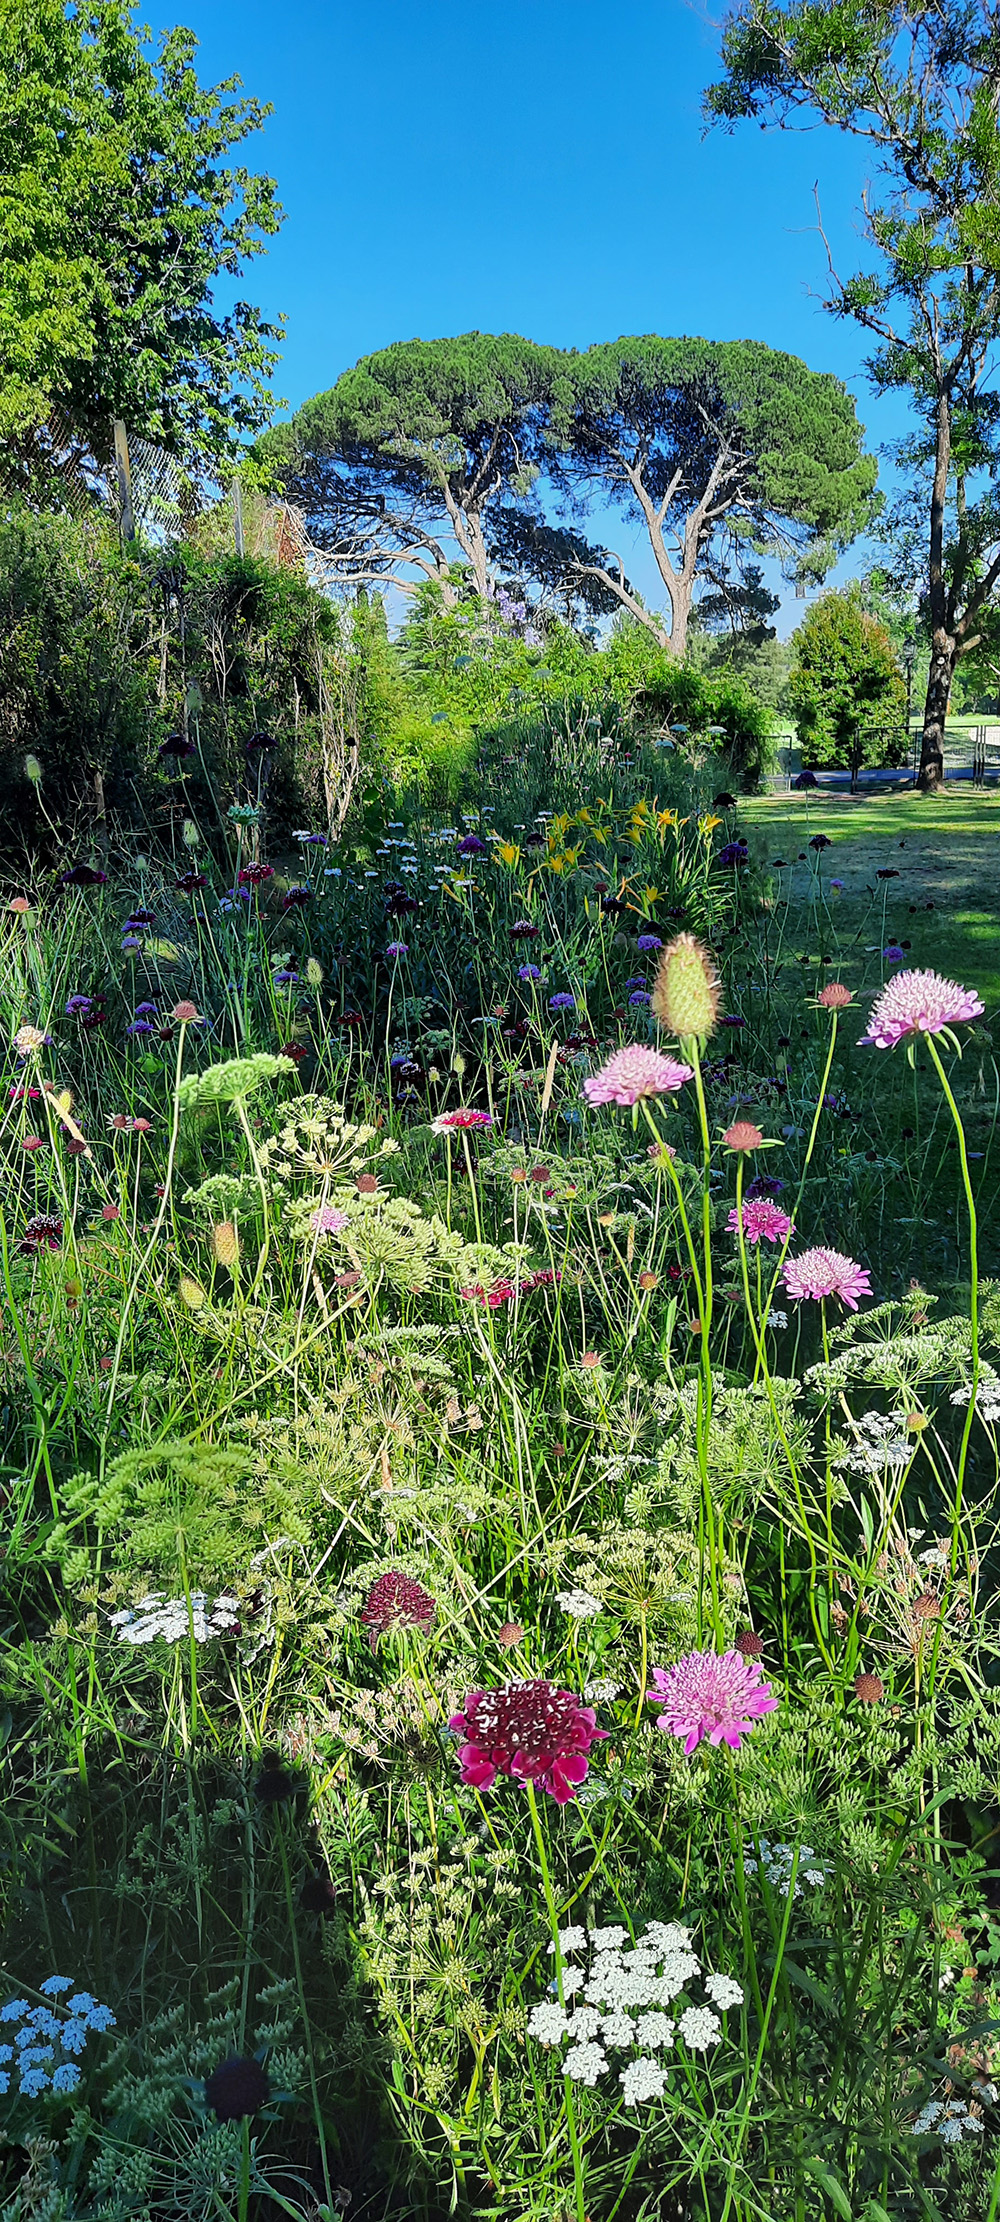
327,1220
634,1072
397,948
763,1184
919,1003
530,1730
761,1220
647,943
140,1026
820,1272
732,1020
893,954
470,845
638,1001
529,972
838,884
734,852
710,1693
77,1004
562,1002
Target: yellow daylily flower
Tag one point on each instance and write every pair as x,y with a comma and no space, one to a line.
709,823
650,895
509,853
599,834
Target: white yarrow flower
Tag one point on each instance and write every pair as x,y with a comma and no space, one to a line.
723,1991
699,2028
642,2079
654,2030
548,2024
578,1603
584,2063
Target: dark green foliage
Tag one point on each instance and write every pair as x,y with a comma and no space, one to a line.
919,87
846,687
119,213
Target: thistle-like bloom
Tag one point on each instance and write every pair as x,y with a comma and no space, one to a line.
29,1040
530,1730
43,1232
919,1003
761,1220
686,991
634,1072
447,1122
709,1693
820,1272
328,1220
743,1136
396,1601
835,997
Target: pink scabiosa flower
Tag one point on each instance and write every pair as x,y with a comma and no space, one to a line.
820,1272
530,1730
396,1601
450,1122
711,1693
634,1072
762,1221
835,997
919,1003
327,1220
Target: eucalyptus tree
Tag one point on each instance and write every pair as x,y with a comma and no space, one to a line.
919,85
721,452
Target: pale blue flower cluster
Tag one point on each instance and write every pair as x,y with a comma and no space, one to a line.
47,2039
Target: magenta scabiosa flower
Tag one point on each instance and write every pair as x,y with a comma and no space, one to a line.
634,1072
396,1601
449,1122
919,1003
529,1730
820,1272
718,1695
762,1221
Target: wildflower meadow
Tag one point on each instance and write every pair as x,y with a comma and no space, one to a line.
499,1272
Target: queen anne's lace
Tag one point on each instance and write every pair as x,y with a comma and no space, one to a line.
625,1990
177,1618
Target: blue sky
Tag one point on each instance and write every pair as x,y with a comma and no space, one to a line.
529,166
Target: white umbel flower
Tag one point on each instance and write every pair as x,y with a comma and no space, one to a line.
584,2063
723,1991
699,2028
548,2024
642,2079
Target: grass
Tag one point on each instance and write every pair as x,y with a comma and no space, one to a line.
327,1424
946,852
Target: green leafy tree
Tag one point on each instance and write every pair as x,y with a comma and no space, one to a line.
413,451
720,452
845,689
920,85
118,213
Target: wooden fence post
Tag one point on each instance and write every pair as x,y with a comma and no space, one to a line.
124,470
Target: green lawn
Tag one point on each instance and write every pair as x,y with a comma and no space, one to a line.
946,899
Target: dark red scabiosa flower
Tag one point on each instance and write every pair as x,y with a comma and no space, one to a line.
176,745
318,1895
236,2089
523,930
295,1050
396,1601
725,801
296,898
274,1784
254,875
190,882
351,1019
869,1688
613,907
763,1184
820,841
530,1730
83,875
32,1142
749,1644
889,872
43,1232
259,744
401,906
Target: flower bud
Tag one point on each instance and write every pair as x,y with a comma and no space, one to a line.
226,1245
33,770
685,993
314,972
191,1293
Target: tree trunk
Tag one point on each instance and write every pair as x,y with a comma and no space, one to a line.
930,777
